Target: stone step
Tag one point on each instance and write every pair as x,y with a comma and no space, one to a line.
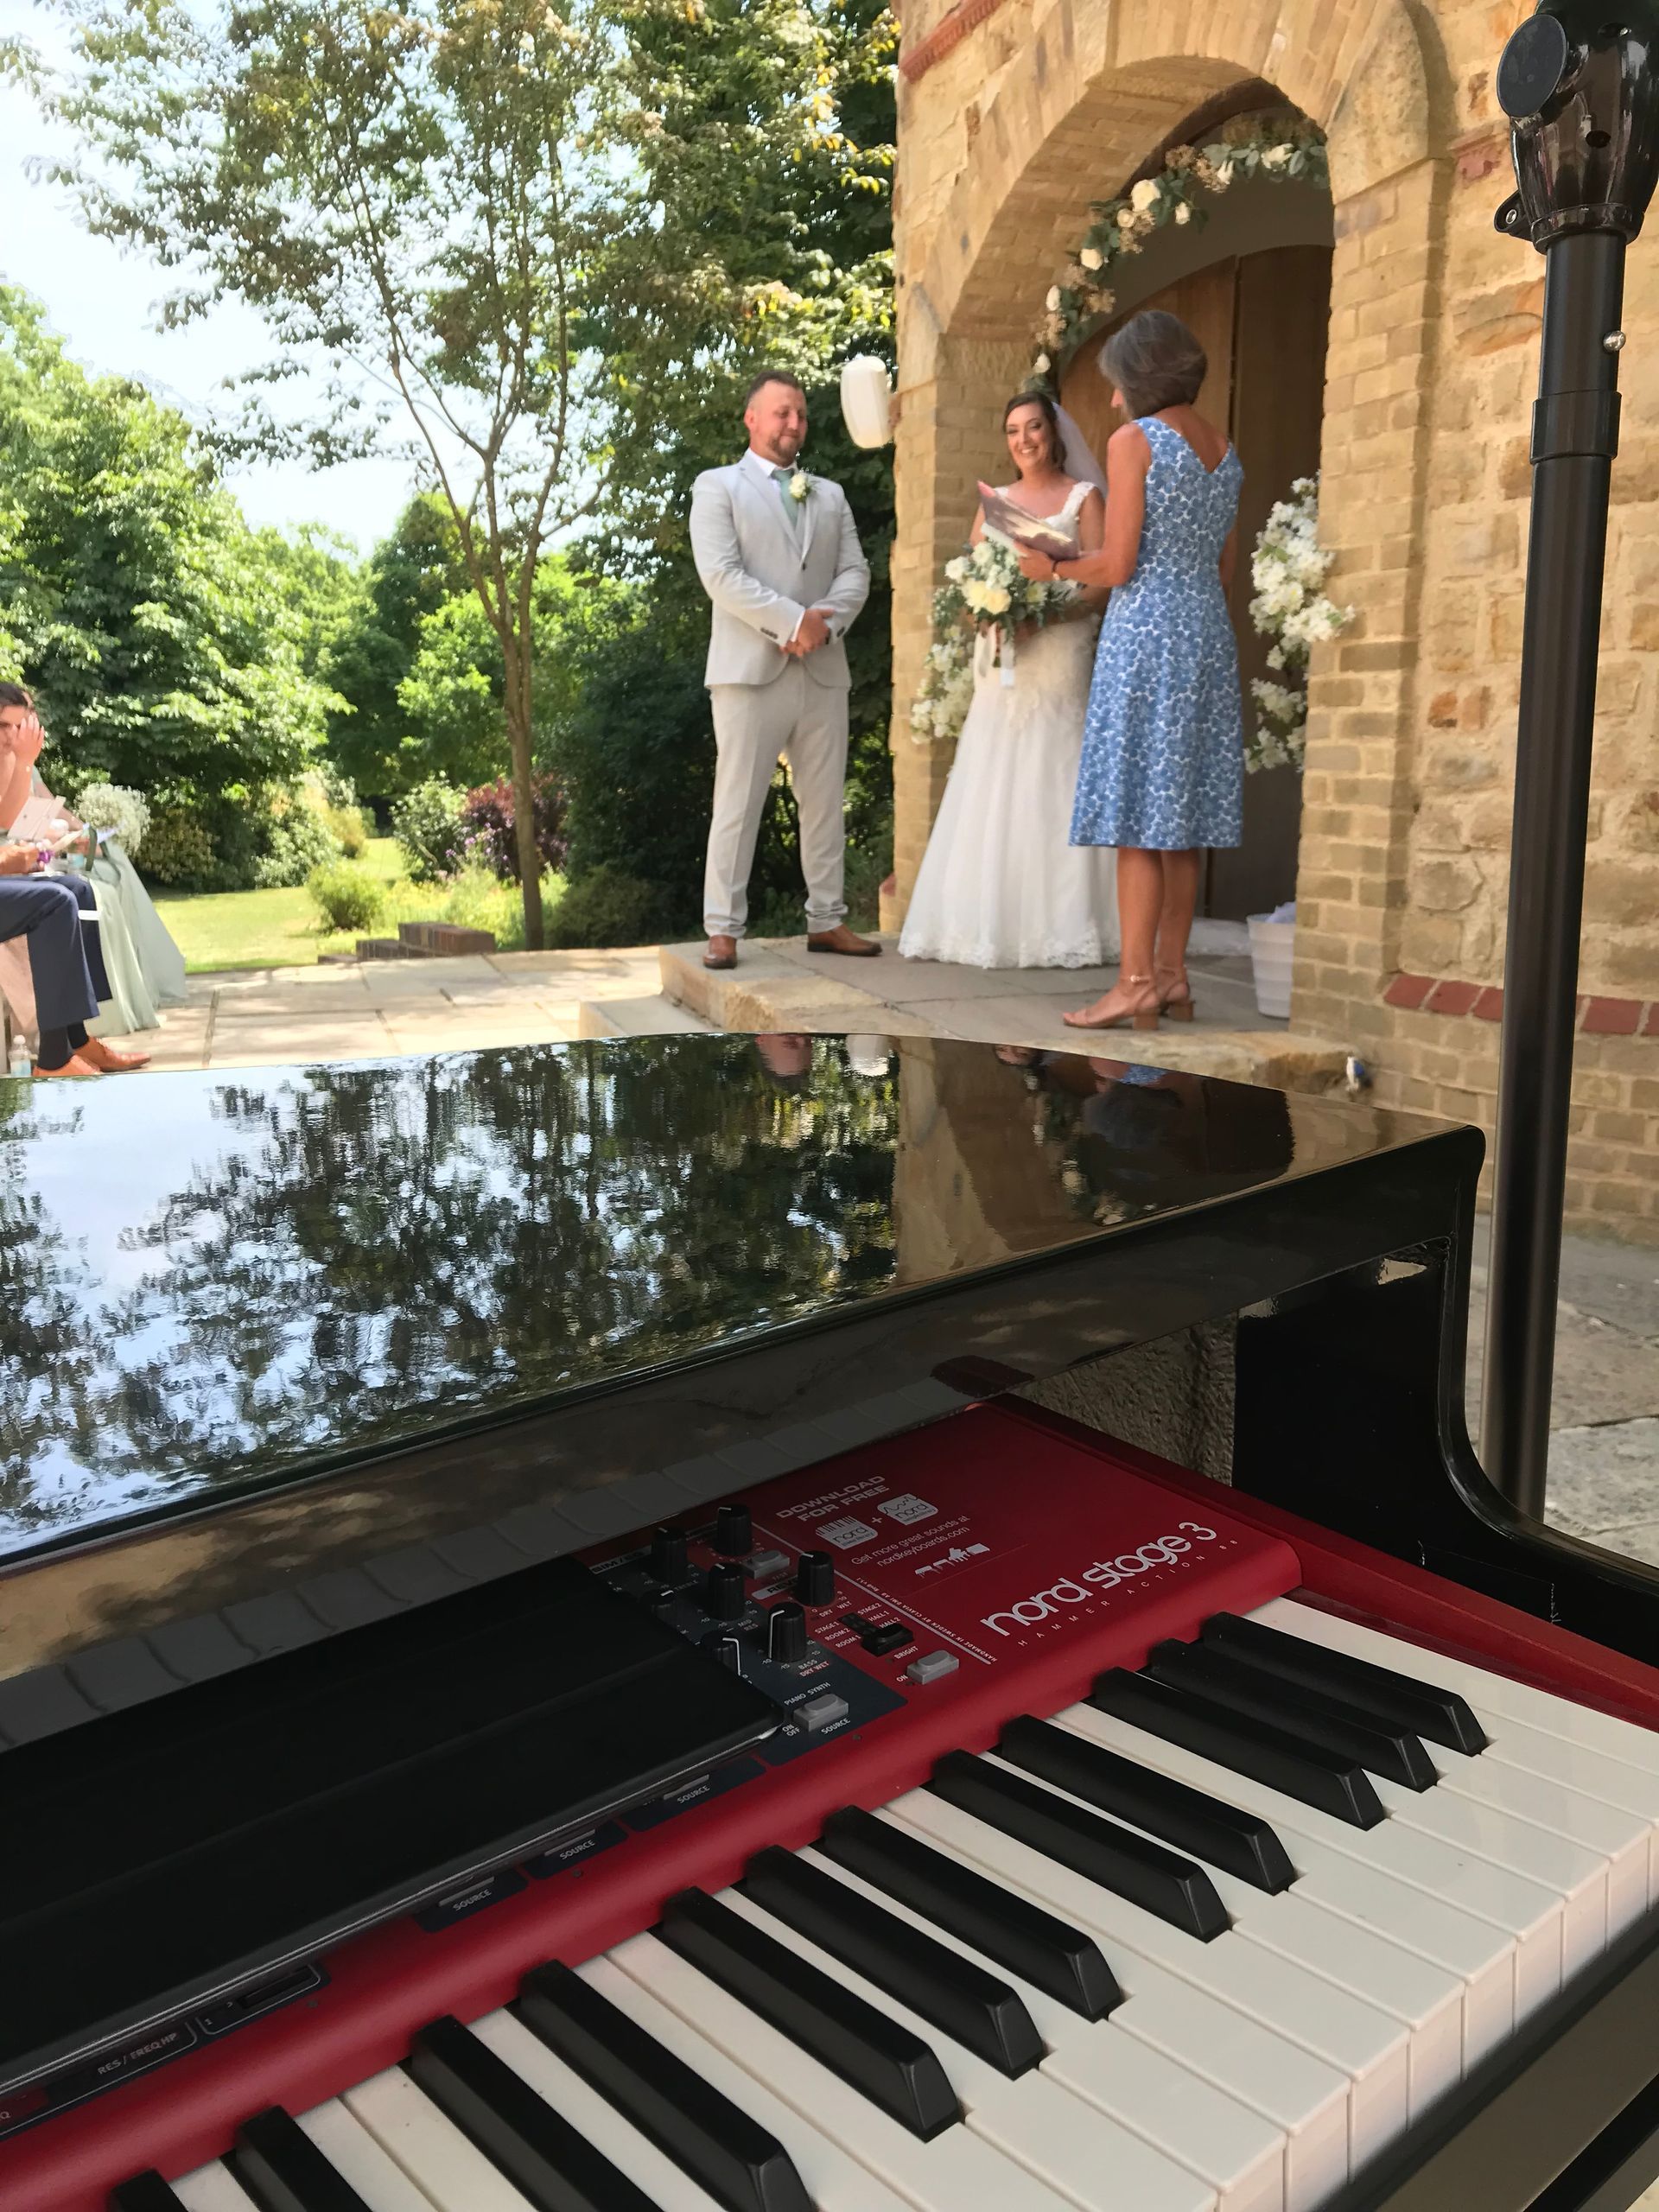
769,990
642,1017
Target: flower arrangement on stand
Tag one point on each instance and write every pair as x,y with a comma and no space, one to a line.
978,612
1285,149
1287,570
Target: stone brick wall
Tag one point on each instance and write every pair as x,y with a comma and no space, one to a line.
1013,116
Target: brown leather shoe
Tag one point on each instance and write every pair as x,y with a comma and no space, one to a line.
842,940
721,953
73,1065
107,1061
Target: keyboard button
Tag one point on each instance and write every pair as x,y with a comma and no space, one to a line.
893,2067
1039,2124
1021,1937
1392,1696
1501,1934
352,2151
1238,2153
145,2192
537,2148
615,2138
1305,2096
1218,1833
1149,1876
1313,1717
977,2008
211,2189
282,2168
932,1667
1336,1785
852,2156
453,2174
737,2161
821,1711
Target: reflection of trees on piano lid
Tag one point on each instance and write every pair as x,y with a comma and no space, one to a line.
350,1252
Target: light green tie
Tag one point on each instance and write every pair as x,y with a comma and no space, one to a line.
791,507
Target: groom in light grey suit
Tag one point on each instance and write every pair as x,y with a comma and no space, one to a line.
779,558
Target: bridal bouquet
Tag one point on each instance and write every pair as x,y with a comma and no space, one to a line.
977,611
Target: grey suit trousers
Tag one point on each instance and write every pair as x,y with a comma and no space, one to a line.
796,719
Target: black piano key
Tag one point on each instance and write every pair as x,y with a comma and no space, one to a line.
739,2162
1312,1716
1441,1716
282,2170
950,1990
538,2151
145,2192
1061,1962
1159,1881
1338,1786
1220,1835
883,2058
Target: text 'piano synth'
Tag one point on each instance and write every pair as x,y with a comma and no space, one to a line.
1114,1842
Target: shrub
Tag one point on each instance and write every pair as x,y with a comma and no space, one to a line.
177,850
489,819
608,907
347,898
349,830
426,821
296,837
114,807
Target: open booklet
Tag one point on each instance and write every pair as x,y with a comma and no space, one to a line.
1055,538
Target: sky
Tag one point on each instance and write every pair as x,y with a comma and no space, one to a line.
102,302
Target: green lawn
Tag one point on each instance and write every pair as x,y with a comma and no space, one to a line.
281,929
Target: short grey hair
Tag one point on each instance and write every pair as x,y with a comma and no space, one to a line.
1154,361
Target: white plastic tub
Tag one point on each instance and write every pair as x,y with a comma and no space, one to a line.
1272,947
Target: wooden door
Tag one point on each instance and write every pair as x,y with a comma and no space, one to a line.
1261,320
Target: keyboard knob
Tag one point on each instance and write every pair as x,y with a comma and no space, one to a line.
814,1579
670,1559
733,1532
724,1592
787,1635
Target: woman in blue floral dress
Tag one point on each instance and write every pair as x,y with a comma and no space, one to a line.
1163,749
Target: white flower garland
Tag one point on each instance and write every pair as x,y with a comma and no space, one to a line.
1287,570
1283,148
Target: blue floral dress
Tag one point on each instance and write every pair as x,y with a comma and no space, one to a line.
1163,739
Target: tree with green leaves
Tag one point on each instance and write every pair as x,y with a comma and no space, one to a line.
162,637
418,198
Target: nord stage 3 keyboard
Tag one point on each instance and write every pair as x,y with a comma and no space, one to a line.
1109,1840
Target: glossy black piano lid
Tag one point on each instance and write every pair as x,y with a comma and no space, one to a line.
219,1283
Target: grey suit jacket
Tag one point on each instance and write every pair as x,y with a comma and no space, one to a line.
761,577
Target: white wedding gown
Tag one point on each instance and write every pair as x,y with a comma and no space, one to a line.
1000,885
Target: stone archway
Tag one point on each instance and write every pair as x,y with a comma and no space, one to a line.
1083,95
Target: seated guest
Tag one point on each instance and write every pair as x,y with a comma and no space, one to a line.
143,967
65,963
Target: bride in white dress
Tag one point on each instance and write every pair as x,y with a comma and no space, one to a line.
1002,886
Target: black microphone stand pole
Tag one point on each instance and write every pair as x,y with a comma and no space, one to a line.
1578,82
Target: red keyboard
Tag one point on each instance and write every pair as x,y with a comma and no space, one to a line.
994,1566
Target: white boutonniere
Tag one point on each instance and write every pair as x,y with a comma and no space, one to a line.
800,485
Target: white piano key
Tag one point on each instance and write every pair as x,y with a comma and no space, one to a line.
431,2149
1227,2043
211,2189
1236,2151
1526,1912
1495,1698
639,1980
616,2138
359,2159
1036,2121
1594,1773
1481,1954
1619,1839
1425,2000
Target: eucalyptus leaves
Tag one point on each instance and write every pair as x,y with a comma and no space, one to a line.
1289,570
1283,148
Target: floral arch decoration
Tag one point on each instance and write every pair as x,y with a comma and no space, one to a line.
1286,149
